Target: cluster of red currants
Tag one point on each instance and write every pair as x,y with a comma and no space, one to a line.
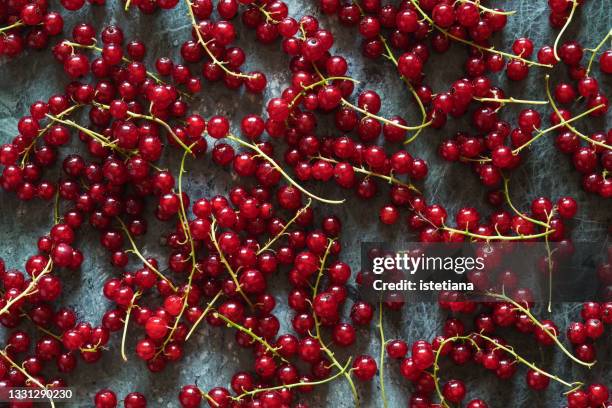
222,252
31,24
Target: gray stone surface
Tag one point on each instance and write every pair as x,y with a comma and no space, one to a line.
212,356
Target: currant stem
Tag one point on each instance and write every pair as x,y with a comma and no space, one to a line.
268,15
256,391
549,262
472,44
324,81
39,327
497,237
489,10
595,50
252,335
383,120
137,252
16,24
368,114
228,267
390,179
517,212
389,54
522,360
550,129
155,119
531,317
124,59
28,290
567,23
315,288
104,141
211,400
209,307
511,100
261,153
19,368
436,365
285,228
570,127
128,311
200,39
325,349
192,254
56,217
382,354
26,152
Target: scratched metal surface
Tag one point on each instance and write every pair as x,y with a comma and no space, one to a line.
212,357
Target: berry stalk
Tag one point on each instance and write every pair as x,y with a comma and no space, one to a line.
137,252
570,127
204,45
251,334
567,23
553,337
492,50
282,171
30,289
284,229
325,349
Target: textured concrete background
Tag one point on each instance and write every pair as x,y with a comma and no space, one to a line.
212,356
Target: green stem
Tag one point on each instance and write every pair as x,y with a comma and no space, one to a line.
209,307
285,228
192,254
30,289
511,100
137,252
19,368
389,54
523,361
472,44
489,10
531,317
326,350
517,212
26,152
16,24
557,126
124,59
278,168
56,217
382,354
204,45
228,267
570,127
157,120
103,140
390,179
324,81
595,50
256,391
383,120
436,365
567,23
252,335
498,236
549,262
128,312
